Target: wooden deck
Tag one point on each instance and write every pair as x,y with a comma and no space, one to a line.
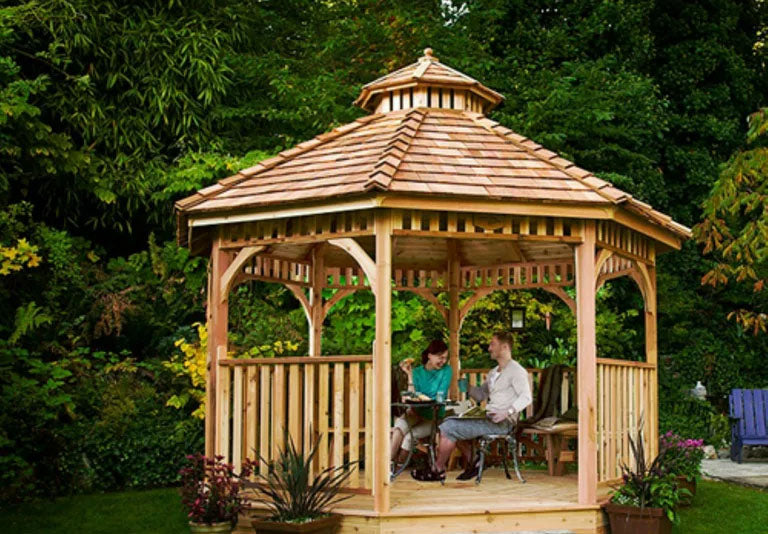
543,503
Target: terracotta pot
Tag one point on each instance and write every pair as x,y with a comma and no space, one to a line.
324,525
690,485
634,520
215,528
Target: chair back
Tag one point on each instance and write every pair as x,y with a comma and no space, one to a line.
750,407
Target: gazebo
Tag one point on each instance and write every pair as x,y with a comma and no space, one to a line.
424,194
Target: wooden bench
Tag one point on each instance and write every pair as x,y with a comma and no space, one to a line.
537,444
552,447
749,419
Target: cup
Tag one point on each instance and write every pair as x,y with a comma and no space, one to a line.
440,397
463,384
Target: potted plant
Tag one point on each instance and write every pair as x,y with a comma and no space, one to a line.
682,458
297,500
645,501
210,492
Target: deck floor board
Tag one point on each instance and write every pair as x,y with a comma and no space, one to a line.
494,494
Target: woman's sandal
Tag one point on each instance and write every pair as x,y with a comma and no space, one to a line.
428,475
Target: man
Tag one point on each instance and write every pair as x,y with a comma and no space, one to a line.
507,392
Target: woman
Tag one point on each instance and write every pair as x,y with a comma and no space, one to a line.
433,376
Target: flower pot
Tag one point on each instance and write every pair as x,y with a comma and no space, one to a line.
324,525
690,485
634,520
215,528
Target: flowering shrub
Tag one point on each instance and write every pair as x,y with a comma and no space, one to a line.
193,366
682,457
210,490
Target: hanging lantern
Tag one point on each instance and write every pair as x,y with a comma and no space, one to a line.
518,319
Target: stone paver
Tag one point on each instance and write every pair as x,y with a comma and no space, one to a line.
749,473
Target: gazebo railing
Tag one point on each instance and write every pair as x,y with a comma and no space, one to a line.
264,402
626,393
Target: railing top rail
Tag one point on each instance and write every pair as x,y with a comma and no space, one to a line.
529,369
307,360
625,363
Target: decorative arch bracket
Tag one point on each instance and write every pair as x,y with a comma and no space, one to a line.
230,275
354,249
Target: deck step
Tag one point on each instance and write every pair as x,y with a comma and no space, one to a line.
522,532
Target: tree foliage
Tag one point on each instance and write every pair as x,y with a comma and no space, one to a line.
735,226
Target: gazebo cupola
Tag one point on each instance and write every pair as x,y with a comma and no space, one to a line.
427,84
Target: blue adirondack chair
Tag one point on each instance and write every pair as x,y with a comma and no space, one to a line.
749,419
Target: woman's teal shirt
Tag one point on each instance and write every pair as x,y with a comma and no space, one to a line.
429,383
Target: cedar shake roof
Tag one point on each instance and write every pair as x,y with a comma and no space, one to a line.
438,152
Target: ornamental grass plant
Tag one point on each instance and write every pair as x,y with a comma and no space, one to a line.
210,490
293,494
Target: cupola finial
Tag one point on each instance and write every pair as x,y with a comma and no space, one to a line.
428,55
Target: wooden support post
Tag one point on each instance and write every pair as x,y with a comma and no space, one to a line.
651,356
382,360
217,315
454,317
316,301
586,364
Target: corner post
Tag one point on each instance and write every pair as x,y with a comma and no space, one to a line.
454,318
586,364
382,360
316,301
218,317
651,356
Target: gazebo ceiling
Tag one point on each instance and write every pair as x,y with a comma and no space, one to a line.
427,144
410,252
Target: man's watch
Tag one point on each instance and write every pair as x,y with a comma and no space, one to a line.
511,412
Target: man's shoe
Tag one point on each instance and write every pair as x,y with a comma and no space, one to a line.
469,473
427,475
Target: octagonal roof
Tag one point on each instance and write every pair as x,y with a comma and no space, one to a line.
431,139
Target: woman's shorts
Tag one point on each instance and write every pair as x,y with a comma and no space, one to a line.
420,428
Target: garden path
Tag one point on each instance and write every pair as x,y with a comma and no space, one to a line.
753,472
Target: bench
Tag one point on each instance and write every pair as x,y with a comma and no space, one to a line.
749,419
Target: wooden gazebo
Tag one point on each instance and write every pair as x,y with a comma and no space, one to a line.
424,194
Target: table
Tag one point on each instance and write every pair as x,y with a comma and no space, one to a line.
433,431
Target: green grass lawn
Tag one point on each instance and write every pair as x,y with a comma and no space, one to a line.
718,508
132,512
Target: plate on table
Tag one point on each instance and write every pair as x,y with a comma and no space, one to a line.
416,402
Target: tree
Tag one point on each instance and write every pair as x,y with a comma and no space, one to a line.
734,229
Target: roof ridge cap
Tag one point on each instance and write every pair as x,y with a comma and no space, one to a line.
423,65
392,156
266,164
494,127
